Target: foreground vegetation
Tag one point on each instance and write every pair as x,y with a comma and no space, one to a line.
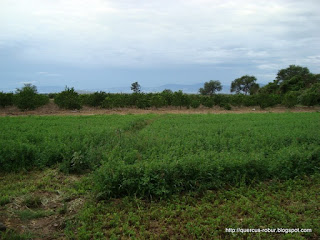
67,210
165,176
155,156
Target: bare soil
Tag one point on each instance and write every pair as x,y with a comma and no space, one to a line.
53,199
53,109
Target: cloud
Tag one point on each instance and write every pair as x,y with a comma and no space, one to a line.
140,34
47,74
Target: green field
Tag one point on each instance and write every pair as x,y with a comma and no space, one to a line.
170,176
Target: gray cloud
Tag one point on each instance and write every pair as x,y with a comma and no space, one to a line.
263,35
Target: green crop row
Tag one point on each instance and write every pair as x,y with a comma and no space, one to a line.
155,156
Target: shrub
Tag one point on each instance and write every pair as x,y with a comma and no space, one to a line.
6,99
142,101
290,99
250,100
52,95
195,103
207,102
27,98
157,101
68,99
107,103
95,99
226,106
168,96
267,100
310,96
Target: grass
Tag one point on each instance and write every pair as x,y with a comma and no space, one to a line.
32,202
29,214
273,204
164,176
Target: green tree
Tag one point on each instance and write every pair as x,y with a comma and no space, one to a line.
135,87
210,87
244,84
295,78
254,89
68,99
6,99
27,98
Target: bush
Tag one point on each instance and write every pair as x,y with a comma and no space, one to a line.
27,98
157,101
95,99
267,100
207,102
68,99
250,100
52,95
311,96
107,103
6,99
142,102
195,103
290,99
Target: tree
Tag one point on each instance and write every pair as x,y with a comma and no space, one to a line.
68,99
286,74
27,98
254,89
135,87
243,84
295,78
210,87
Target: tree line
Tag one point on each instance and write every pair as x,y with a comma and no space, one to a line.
292,86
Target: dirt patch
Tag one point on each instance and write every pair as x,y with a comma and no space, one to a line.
53,109
48,219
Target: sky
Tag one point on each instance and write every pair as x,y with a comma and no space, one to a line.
100,44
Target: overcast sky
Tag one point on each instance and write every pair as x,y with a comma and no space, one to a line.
92,44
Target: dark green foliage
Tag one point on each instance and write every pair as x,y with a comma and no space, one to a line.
293,71
226,106
135,87
95,99
293,78
180,99
77,163
157,101
6,99
52,95
267,100
107,103
270,88
246,84
290,99
27,98
207,101
310,96
210,88
254,89
143,101
68,99
195,103
168,96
